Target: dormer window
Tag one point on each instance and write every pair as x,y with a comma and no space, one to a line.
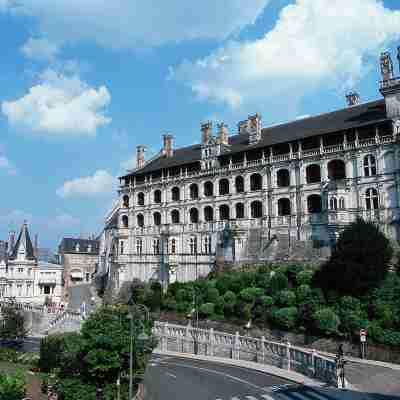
89,249
77,248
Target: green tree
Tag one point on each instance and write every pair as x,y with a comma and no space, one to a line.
286,317
12,386
360,261
327,321
12,324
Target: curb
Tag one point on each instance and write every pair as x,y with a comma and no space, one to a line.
268,369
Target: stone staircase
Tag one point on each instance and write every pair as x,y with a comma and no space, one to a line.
253,243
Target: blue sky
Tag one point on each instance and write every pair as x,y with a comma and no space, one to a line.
83,83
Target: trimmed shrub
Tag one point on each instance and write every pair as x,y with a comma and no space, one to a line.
278,282
286,298
212,294
207,309
304,277
250,294
229,302
286,317
327,321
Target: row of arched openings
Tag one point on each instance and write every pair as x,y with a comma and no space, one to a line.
314,205
336,171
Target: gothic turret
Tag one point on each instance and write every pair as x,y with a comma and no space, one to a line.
23,249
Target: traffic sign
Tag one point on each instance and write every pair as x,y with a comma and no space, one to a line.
363,335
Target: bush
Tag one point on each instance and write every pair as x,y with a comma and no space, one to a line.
12,386
286,298
170,304
207,309
327,321
304,277
303,293
212,294
278,282
219,305
286,317
250,294
229,302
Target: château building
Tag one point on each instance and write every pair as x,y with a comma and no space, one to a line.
23,276
262,193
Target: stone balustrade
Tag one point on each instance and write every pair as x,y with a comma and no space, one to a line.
188,339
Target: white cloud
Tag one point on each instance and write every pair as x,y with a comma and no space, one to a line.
314,43
100,183
7,166
40,49
137,23
60,105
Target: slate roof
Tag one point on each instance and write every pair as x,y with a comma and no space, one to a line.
336,121
68,245
23,240
3,251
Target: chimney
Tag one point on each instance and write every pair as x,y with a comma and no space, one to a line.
36,245
11,242
140,160
168,149
206,132
223,133
352,98
254,128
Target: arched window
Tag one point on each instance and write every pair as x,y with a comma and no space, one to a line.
175,216
283,178
125,221
255,182
208,189
336,170
283,207
156,246
342,203
140,220
157,218
139,246
157,196
125,201
371,199
193,245
256,209
208,214
194,215
223,212
314,204
140,199
207,245
194,191
173,246
369,165
313,173
223,187
239,183
175,193
333,203
239,210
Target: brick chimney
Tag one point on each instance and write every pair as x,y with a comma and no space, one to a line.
11,241
140,160
223,133
206,132
353,98
168,145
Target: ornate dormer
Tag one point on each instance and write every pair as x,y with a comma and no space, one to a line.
210,147
251,126
390,86
23,249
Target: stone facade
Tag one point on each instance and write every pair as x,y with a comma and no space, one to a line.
79,258
262,194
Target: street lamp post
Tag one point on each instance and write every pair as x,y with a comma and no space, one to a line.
141,337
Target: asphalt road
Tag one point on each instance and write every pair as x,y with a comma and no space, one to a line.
174,378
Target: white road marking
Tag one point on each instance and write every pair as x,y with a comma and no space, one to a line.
220,373
171,375
251,398
267,397
235,398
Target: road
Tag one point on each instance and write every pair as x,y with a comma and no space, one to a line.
174,378
77,295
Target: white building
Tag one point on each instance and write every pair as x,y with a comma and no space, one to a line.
279,192
24,277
